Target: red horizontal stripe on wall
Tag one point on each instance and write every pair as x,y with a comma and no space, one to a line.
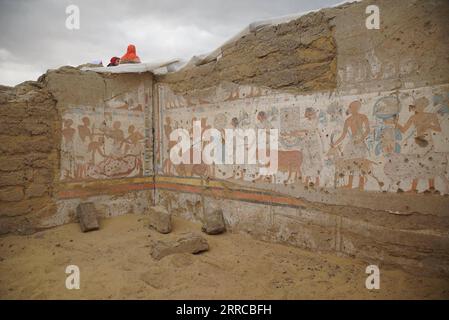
256,196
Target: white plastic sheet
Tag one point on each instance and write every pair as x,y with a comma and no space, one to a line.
133,67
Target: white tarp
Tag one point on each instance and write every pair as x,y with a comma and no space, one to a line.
133,67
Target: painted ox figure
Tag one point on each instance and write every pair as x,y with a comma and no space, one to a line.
289,161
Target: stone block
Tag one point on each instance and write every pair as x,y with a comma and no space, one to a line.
213,222
87,215
160,219
188,243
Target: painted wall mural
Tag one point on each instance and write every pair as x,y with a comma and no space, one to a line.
107,141
394,141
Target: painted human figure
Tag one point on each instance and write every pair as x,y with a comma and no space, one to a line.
358,128
133,140
388,137
134,145
96,147
68,134
208,169
311,147
424,123
262,120
168,128
204,127
263,123
82,157
118,139
237,169
84,130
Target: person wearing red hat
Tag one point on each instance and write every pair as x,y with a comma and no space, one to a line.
114,62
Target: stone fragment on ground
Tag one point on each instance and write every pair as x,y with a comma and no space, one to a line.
188,243
160,219
213,222
87,215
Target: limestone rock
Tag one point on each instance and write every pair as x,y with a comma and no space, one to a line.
213,222
188,243
87,215
160,219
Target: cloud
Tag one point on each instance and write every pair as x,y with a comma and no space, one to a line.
13,73
5,54
34,37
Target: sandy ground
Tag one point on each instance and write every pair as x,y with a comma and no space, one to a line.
115,263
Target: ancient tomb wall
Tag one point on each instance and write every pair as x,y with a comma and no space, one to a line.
363,122
106,144
71,137
344,168
29,156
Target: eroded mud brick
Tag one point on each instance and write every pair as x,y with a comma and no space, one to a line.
213,222
87,215
188,243
160,219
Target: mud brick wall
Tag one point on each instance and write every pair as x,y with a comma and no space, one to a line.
29,156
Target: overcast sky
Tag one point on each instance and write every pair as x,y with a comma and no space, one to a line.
34,37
